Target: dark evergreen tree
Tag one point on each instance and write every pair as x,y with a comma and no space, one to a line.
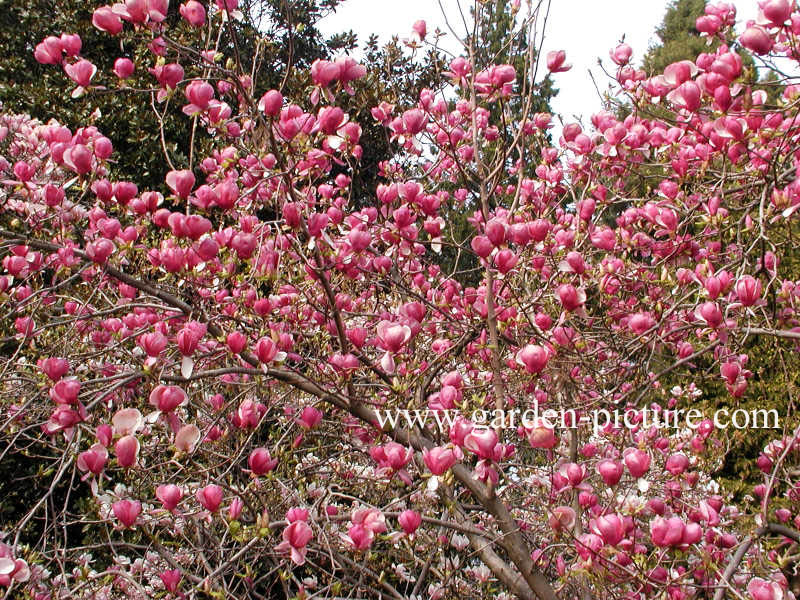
680,40
678,37
502,41
282,34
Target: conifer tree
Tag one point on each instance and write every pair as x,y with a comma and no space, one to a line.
678,37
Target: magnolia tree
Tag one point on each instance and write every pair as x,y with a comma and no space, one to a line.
208,378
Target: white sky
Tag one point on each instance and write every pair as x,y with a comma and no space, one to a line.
586,29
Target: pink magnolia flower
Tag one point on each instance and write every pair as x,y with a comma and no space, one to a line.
588,545
460,429
482,246
393,336
210,497
505,260
104,434
637,461
460,68
170,495
687,96
266,350
100,250
330,119
777,11
574,262
414,121
533,357
420,28
171,580
249,414
570,297
297,514
609,527
359,537
482,441
49,51
187,438
153,343
64,418
676,463
410,521
323,72
123,68
556,61
127,421
748,290
13,570
81,72
65,391
761,589
295,539
667,532
271,103
309,418
439,459
105,19
756,39
573,473
359,240
189,337
54,368
244,244
139,12
236,342
227,5
235,509
344,362
610,471
542,435
730,370
710,313
366,522
679,72
71,44
93,460
199,94
168,76
167,398
641,322
127,451
260,462
621,54
349,70
25,327
496,79
708,24
392,455
79,159
562,519
127,511
181,183
194,13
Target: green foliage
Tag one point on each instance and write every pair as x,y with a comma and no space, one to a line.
679,40
43,91
396,78
501,42
280,38
775,382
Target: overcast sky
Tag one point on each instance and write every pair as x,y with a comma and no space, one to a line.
586,29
